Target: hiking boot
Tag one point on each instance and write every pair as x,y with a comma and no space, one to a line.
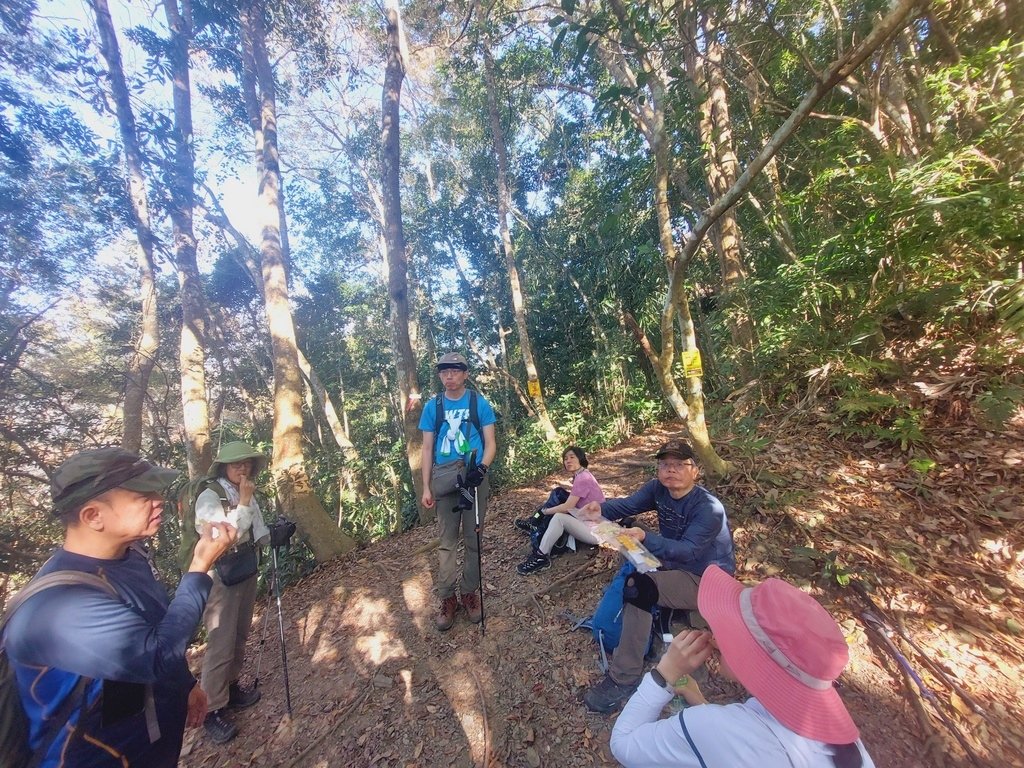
446,616
607,696
537,561
219,728
561,546
471,602
242,698
524,524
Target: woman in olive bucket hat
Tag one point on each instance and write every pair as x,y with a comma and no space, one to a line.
230,497
780,645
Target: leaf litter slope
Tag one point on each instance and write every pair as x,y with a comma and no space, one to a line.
373,684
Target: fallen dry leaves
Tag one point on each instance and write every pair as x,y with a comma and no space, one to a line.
373,684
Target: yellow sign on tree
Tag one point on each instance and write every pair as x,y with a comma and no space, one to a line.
533,387
691,363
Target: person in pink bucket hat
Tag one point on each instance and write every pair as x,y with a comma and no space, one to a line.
780,645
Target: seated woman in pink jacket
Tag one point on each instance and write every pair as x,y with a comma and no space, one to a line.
555,512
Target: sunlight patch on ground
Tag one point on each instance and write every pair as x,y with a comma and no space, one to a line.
406,675
380,647
363,610
417,591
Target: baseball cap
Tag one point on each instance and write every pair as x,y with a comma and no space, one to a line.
452,360
678,449
90,473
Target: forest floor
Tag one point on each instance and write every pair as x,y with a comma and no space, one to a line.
373,683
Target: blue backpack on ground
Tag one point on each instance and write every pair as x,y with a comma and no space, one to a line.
606,623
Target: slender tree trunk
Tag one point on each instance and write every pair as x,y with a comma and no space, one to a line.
249,259
288,464
721,168
649,116
192,352
140,367
690,408
609,375
410,396
504,209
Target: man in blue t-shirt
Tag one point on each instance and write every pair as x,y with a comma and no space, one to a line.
103,678
458,439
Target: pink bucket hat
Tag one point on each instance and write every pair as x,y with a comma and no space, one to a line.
784,648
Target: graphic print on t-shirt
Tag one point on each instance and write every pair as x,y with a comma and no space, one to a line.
454,442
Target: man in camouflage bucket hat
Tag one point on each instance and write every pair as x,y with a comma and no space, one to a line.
128,651
230,497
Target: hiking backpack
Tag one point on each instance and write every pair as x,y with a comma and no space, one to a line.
474,416
14,726
606,623
186,502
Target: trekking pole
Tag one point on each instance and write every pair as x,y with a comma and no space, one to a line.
479,560
280,626
872,621
934,666
263,638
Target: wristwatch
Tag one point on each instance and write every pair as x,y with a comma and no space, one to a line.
659,678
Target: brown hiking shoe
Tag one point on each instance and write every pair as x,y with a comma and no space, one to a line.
446,616
471,603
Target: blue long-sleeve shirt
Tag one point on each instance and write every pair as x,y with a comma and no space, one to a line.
693,532
68,632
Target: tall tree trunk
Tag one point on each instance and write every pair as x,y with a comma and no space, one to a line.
288,465
691,409
410,396
140,367
248,258
192,351
649,115
504,209
721,168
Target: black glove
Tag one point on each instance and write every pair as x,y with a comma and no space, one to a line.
281,531
475,476
463,494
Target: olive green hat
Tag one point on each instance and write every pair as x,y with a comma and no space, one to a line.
90,473
239,450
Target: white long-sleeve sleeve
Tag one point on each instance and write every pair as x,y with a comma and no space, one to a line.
247,518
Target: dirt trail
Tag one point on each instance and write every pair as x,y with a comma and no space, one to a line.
373,684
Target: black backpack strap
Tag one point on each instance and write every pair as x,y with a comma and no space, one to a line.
438,413
689,740
474,413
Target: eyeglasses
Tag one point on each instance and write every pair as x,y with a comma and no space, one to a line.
663,467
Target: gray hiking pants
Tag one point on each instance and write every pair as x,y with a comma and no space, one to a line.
228,617
676,589
450,523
